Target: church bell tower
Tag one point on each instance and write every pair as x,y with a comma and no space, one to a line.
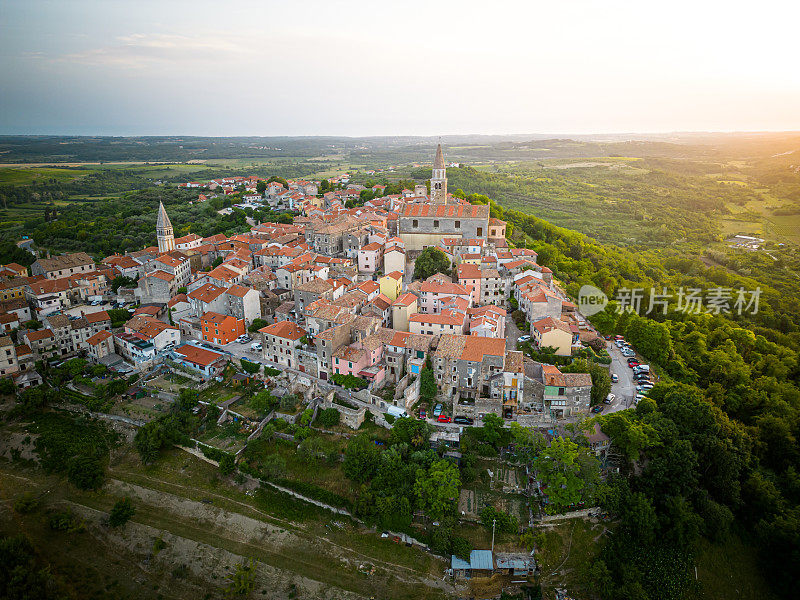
166,238
439,179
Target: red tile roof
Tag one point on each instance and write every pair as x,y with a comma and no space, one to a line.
284,329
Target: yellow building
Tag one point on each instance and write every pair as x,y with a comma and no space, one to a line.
9,290
402,309
554,333
391,285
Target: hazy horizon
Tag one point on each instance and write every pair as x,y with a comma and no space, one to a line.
360,69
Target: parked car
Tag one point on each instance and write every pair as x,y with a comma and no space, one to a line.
443,419
597,409
437,410
463,420
524,338
609,399
647,386
422,414
614,378
255,346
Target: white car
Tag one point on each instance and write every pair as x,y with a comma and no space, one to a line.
524,338
255,346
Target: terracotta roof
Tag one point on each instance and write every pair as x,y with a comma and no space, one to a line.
436,319
546,324
239,291
198,356
406,299
446,210
454,289
100,336
65,261
163,275
284,329
207,293
475,348
215,317
395,275
514,360
97,317
177,299
552,376
577,379
42,334
369,286
382,301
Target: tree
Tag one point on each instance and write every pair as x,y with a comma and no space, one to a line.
413,432
217,262
227,464
437,488
86,472
122,281
121,512
256,325
427,385
20,577
261,186
431,261
7,386
558,471
243,579
361,458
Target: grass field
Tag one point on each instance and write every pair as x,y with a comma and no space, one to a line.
729,571
567,552
26,176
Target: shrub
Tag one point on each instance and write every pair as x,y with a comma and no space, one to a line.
121,512
66,520
504,521
351,382
26,503
328,417
250,367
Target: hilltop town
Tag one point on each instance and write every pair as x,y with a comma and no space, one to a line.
330,296
406,312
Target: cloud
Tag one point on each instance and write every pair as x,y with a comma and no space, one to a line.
141,50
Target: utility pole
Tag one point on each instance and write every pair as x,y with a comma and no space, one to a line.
494,521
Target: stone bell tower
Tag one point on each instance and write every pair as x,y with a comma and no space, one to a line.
439,179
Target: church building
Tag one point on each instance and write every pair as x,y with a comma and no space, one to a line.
423,225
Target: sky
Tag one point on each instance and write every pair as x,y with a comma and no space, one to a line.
385,67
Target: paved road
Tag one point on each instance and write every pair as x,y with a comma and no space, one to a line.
625,389
512,333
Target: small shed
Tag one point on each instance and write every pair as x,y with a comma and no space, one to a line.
480,564
516,564
241,379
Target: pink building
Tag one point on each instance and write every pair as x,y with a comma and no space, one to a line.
361,359
370,258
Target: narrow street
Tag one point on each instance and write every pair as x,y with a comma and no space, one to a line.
625,388
512,333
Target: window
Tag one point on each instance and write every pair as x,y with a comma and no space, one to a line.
415,223
480,231
458,224
436,224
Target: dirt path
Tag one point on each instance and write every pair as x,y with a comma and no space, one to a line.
208,513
